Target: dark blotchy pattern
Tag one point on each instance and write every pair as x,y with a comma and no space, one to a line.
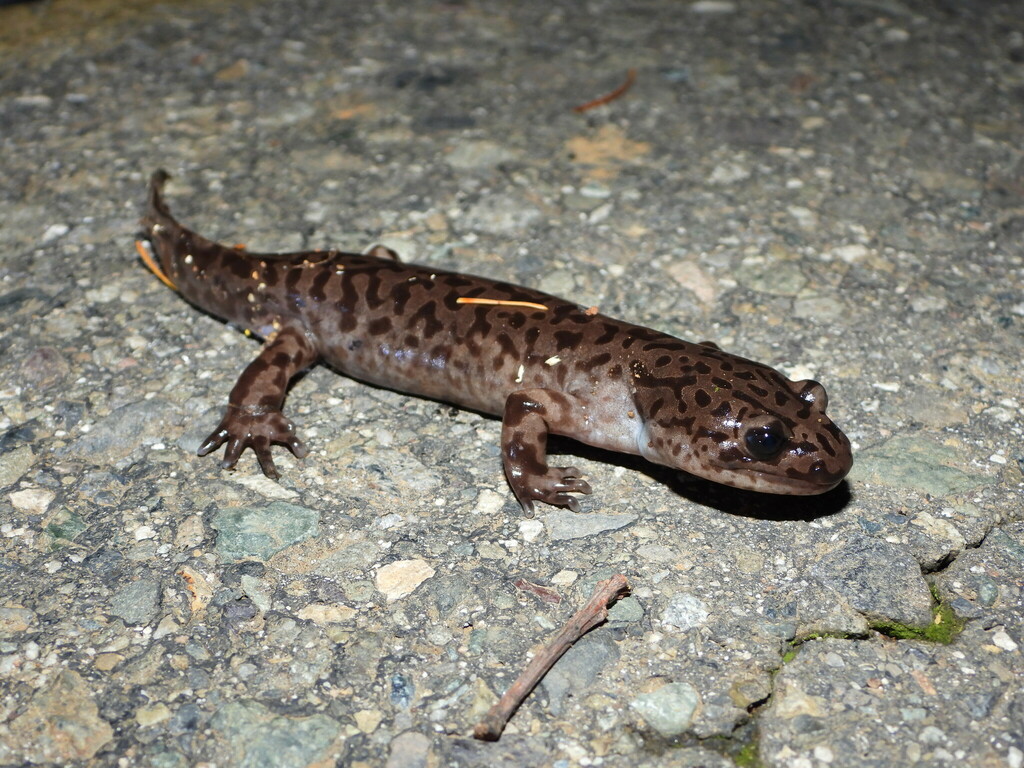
544,364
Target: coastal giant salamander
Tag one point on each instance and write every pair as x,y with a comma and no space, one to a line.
545,365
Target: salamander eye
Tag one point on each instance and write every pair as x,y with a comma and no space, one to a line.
766,441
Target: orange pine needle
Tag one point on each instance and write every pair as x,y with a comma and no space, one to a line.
501,303
149,261
630,79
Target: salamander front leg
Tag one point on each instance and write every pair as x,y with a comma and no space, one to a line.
254,418
529,416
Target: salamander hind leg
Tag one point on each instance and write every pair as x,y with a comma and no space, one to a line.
254,418
528,418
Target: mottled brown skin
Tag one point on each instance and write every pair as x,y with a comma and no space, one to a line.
562,370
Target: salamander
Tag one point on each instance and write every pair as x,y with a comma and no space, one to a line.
543,364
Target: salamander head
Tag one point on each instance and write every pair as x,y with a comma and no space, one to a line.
745,425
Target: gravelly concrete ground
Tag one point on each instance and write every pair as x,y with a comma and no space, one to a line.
834,189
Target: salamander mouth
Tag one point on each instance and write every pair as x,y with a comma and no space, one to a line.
787,485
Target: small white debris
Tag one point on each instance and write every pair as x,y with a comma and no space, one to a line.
895,35
995,458
530,529
824,754
398,579
488,503
1003,640
389,521
798,372
519,375
144,532
805,217
713,6
555,360
322,614
887,386
33,501
33,100
600,213
684,612
263,485
850,253
928,303
595,191
54,232
729,173
564,578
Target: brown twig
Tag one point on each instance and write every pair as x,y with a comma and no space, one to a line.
630,79
593,613
545,594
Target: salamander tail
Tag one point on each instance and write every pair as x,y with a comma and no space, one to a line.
157,223
157,211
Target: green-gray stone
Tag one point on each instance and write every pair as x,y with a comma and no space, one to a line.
14,464
137,602
920,463
563,525
65,525
668,710
259,739
777,278
626,609
261,532
988,592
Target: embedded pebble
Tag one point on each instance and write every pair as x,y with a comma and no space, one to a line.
55,232
919,463
116,436
501,215
563,525
14,464
685,612
473,155
668,710
879,580
713,6
33,501
137,603
260,532
61,724
251,732
401,578
408,750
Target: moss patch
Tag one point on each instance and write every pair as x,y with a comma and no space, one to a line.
945,626
795,644
748,756
742,746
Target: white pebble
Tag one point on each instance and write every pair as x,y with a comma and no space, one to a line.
713,6
55,231
530,529
1001,639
